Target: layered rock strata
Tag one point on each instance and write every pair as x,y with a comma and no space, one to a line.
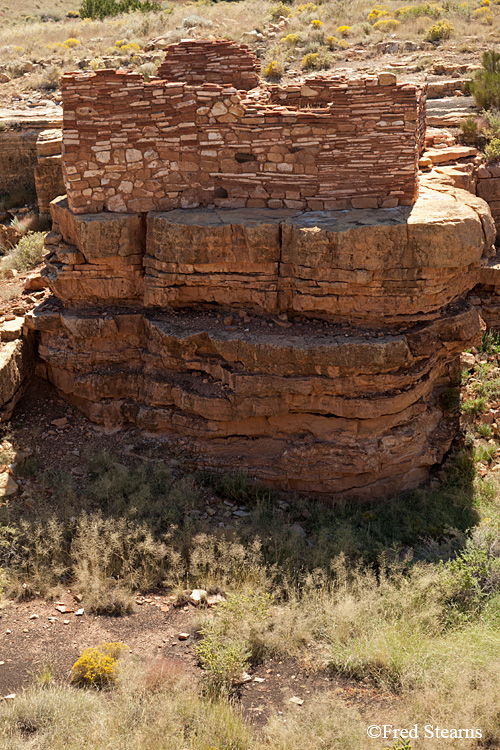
311,349
323,409
48,169
19,153
383,267
488,188
16,364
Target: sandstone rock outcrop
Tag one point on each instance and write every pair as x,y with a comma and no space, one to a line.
274,342
16,364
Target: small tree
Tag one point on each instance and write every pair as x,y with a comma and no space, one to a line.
485,86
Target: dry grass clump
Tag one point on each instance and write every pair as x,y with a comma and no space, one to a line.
27,254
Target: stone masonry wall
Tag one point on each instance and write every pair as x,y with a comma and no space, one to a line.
215,61
132,146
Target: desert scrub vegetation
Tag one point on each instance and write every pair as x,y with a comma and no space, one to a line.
27,254
103,8
485,86
169,716
403,595
98,666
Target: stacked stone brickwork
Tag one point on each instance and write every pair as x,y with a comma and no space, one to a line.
16,364
132,146
211,61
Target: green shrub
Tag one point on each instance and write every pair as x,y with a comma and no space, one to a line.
484,430
474,405
473,576
98,667
233,640
485,86
492,150
491,127
320,60
439,32
102,8
490,343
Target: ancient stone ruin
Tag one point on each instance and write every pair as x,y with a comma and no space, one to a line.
132,146
253,271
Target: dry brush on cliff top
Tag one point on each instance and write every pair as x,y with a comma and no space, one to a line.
289,37
402,596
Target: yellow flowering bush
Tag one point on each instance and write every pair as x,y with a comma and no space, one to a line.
318,60
335,43
291,40
386,24
483,15
376,14
427,10
130,48
316,23
306,8
439,31
98,667
57,47
344,30
274,70
72,43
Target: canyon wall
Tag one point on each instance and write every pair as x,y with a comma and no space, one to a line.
23,148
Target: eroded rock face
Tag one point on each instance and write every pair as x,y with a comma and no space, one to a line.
16,362
398,265
363,410
21,155
312,349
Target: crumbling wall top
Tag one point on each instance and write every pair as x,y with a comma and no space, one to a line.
213,61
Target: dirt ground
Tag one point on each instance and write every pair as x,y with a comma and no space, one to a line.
35,634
